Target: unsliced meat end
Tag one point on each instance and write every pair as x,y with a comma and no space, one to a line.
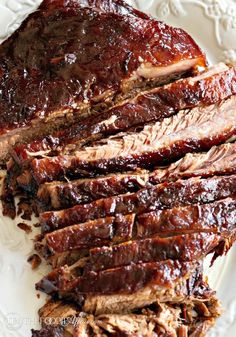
41,96
118,6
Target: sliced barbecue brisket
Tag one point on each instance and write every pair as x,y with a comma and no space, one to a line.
189,283
196,315
212,86
218,217
219,160
124,303
59,195
68,244
98,97
51,76
194,246
91,234
162,196
121,280
158,143
184,247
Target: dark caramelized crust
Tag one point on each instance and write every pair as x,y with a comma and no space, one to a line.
124,280
218,216
182,290
65,56
212,86
90,234
219,160
61,245
59,195
187,247
87,89
165,195
107,6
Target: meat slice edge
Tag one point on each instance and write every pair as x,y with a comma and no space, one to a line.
165,195
159,143
219,160
215,84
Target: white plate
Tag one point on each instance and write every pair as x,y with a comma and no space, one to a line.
213,24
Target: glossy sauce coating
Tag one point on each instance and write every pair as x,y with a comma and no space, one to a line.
118,280
187,247
166,195
164,223
114,6
61,195
91,234
215,84
218,217
62,57
219,160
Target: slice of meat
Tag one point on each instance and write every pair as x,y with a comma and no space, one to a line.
121,280
91,234
192,284
50,77
198,329
219,160
66,245
187,247
176,300
218,217
145,250
159,143
124,303
59,195
213,85
56,309
165,195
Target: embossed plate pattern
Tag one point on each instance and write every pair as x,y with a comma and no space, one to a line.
213,24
